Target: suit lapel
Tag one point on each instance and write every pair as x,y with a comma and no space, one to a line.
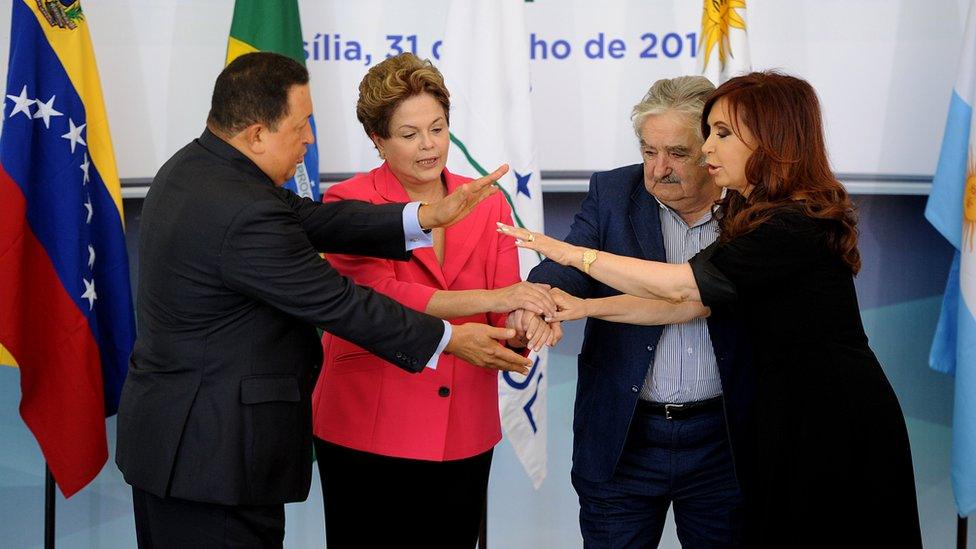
461,239
645,219
390,190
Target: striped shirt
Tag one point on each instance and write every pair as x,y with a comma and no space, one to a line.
683,368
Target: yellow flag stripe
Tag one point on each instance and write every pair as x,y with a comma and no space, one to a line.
74,49
237,48
6,359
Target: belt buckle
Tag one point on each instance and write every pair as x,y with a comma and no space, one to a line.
669,407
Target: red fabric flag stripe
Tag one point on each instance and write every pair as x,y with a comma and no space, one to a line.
59,365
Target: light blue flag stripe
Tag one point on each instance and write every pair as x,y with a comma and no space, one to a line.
955,344
944,208
964,408
942,357
964,415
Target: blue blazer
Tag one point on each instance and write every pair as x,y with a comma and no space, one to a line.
619,216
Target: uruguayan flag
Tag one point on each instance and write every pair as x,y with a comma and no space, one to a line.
724,40
951,209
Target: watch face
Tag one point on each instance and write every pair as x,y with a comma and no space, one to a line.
589,256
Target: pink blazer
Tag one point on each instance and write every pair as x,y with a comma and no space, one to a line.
365,403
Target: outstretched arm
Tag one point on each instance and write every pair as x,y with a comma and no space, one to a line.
627,309
640,278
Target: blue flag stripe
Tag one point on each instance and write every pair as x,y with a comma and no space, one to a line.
50,176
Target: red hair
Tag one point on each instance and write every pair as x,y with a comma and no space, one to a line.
788,166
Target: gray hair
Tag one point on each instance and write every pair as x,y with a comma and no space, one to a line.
684,94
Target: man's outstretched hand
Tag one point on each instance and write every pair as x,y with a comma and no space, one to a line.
479,345
453,207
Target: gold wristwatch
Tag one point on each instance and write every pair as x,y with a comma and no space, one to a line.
589,256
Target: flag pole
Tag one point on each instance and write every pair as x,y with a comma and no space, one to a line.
49,508
961,531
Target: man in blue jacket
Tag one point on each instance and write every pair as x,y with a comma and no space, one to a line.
660,410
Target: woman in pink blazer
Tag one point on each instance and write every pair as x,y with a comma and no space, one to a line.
412,451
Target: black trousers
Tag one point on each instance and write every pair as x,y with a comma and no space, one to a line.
163,523
379,501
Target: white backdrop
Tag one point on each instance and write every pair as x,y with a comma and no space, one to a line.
884,70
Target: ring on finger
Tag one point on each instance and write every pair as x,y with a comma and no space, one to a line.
531,238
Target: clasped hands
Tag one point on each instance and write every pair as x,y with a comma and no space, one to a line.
535,312
537,320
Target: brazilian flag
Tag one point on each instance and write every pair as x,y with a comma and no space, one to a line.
275,26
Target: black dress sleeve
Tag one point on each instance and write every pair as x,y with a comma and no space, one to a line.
786,245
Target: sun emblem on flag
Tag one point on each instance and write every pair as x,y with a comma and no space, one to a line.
969,204
61,13
718,18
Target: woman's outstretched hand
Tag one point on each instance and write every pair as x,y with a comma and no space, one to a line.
556,250
570,306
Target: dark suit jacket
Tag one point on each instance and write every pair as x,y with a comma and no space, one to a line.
216,405
619,216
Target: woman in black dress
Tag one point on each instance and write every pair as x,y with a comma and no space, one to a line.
834,467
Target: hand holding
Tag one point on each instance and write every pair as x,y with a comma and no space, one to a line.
453,207
570,306
523,295
557,333
479,345
533,331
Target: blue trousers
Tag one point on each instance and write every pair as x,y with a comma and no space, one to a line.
685,462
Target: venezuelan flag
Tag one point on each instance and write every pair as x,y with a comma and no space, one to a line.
275,26
65,302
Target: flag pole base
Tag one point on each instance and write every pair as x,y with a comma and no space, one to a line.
49,508
961,531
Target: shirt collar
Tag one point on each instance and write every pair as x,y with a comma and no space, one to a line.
216,145
703,220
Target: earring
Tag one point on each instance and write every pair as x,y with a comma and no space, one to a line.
382,155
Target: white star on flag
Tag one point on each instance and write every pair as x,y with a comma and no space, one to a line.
88,206
21,103
74,134
46,111
89,294
84,168
91,256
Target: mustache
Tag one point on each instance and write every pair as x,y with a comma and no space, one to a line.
668,179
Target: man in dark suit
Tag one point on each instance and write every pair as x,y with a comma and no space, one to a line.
657,406
214,429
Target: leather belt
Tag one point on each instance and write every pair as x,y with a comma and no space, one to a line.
680,411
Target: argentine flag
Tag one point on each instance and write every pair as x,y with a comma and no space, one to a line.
951,209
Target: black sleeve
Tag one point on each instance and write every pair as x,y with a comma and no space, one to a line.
267,256
351,226
713,286
771,254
